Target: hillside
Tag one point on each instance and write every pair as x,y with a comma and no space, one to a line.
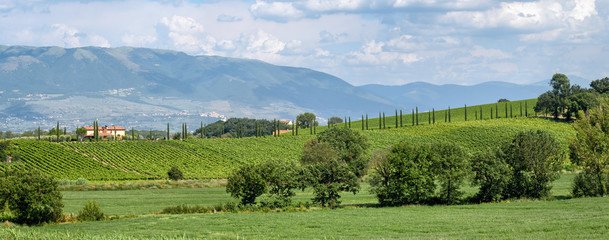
215,158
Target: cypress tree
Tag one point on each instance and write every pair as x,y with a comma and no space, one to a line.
293,129
349,122
297,125
413,121
476,114
417,115
401,123
449,114
506,110
380,121
433,114
521,110
511,112
65,131
445,116
204,128
429,117
384,121
526,109
481,116
366,121
310,127
57,131
167,133
38,132
396,119
132,134
466,112
363,122
496,110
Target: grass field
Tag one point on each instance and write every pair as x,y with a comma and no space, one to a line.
216,158
561,218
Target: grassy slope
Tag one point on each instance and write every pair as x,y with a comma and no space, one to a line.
215,158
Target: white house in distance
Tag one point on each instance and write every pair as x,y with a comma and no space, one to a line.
116,132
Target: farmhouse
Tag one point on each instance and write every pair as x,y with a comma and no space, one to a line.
108,132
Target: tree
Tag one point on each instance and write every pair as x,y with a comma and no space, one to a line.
491,174
350,146
81,132
9,152
450,165
600,85
564,99
281,179
535,158
305,120
334,120
175,174
246,183
33,197
326,173
590,150
404,175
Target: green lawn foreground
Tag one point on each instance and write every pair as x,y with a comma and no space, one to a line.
584,218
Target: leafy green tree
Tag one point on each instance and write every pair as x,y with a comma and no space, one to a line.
350,146
451,167
9,152
306,120
34,198
600,85
590,150
334,120
404,175
492,174
326,173
535,158
246,183
81,132
281,179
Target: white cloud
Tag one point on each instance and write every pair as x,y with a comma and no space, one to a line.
67,35
279,11
481,52
376,53
185,34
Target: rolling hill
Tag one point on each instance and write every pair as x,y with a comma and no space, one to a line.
216,158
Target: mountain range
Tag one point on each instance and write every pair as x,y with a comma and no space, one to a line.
147,88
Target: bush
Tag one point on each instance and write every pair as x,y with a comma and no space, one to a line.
491,174
175,174
246,183
535,158
32,197
450,165
586,184
404,175
91,212
281,180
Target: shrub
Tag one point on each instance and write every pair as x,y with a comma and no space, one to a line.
91,212
175,174
246,183
586,184
535,158
450,166
492,174
404,176
32,197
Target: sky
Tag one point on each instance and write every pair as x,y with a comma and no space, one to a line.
389,42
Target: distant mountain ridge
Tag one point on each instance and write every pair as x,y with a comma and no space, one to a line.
147,88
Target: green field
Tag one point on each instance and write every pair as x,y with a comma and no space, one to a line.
585,218
216,158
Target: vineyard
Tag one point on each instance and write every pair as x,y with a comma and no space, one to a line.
215,158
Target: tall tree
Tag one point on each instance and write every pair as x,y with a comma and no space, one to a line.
306,119
417,115
465,112
600,85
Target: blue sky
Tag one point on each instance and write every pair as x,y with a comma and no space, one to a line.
361,41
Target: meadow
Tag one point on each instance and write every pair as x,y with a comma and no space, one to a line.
558,218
